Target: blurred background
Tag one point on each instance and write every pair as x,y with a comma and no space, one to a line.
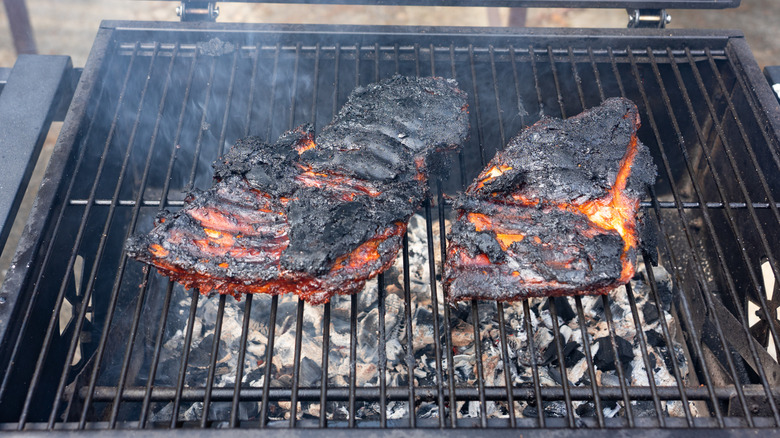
68,27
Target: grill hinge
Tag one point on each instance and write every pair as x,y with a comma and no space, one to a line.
648,18
197,11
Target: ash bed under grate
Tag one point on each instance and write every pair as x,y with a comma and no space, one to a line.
99,342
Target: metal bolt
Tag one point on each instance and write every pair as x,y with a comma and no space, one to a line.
214,12
178,11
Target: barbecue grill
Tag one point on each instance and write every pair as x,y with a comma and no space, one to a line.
92,340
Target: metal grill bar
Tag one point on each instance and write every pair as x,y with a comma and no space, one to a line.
480,135
241,360
213,365
155,361
480,367
324,376
354,308
551,302
408,325
712,205
272,100
401,393
475,321
632,301
505,363
300,309
721,54
561,363
228,99
683,391
382,352
618,361
268,356
199,140
432,277
296,363
757,113
184,359
643,347
591,367
577,80
534,366
554,71
252,82
448,331
125,362
352,357
500,306
497,97
735,425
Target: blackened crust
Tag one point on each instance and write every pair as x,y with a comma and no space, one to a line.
522,228
315,218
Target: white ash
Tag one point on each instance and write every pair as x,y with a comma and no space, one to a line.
424,371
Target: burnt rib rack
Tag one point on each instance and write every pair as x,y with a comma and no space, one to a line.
90,344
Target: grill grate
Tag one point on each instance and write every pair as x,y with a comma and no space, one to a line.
158,107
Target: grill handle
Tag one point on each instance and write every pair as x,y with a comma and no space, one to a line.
35,92
772,74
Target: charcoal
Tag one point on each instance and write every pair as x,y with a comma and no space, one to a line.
311,373
315,218
587,409
584,381
563,308
571,354
555,212
604,359
654,338
555,374
610,408
551,409
653,361
610,379
598,309
428,410
459,326
650,312
618,312
643,408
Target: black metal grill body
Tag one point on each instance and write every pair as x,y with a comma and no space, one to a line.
158,103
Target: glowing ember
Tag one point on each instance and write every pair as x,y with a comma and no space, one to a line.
553,213
616,211
491,174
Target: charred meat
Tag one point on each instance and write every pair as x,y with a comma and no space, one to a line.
313,217
555,212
